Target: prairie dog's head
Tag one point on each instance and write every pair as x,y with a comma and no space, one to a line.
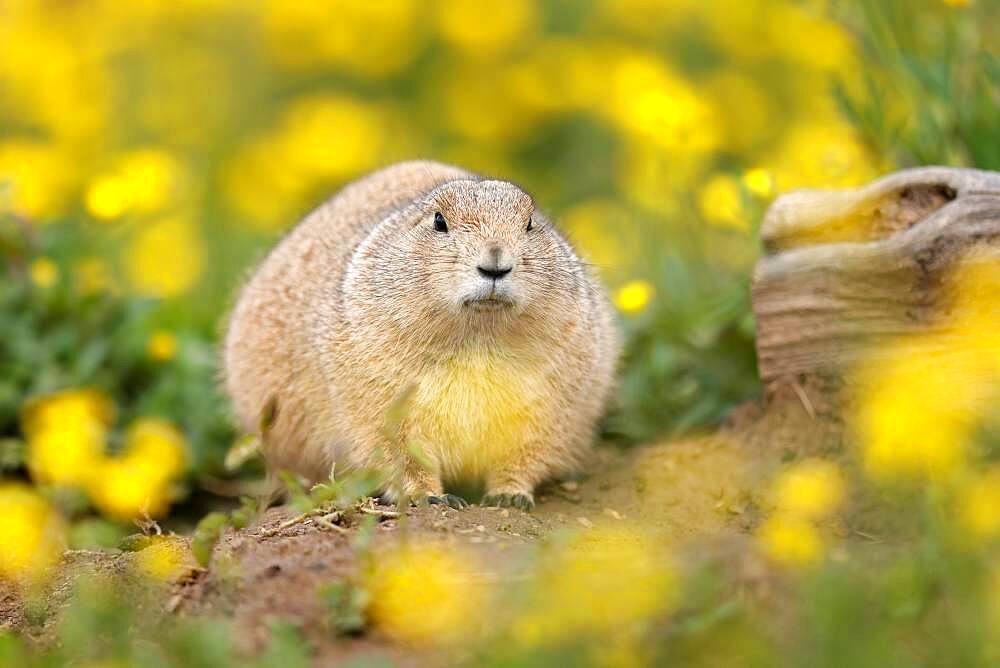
469,252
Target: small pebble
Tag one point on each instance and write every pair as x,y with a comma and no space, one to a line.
612,513
570,485
585,522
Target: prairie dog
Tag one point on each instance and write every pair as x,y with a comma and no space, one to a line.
426,286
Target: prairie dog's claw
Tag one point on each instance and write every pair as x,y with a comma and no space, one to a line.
449,500
509,500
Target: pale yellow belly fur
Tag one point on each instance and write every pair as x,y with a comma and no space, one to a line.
475,410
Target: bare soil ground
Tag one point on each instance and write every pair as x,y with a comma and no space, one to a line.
702,495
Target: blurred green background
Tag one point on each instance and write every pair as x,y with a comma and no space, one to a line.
151,151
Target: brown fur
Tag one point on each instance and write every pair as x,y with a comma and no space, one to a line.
364,306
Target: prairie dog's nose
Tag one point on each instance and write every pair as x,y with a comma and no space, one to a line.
495,263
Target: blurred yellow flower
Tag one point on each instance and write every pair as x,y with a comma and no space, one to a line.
162,346
66,409
158,444
39,177
32,534
165,258
165,558
974,288
759,181
126,488
44,273
605,581
923,396
822,154
486,29
425,594
811,489
143,181
142,479
978,506
634,296
319,142
333,137
66,454
653,104
67,434
807,38
720,201
791,541
916,417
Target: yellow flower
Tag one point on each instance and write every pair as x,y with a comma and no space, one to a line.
486,29
759,181
38,176
67,408
162,346
159,444
142,479
32,534
425,594
721,202
319,142
608,581
978,506
957,3
653,104
66,435
164,559
143,181
917,408
822,154
923,396
44,273
126,488
811,489
791,541
66,454
634,296
165,258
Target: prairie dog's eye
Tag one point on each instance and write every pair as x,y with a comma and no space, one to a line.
529,227
440,224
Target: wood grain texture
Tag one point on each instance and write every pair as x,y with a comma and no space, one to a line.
844,270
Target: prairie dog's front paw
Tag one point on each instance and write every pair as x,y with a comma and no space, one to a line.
522,500
450,500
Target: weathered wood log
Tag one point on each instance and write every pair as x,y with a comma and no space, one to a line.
846,270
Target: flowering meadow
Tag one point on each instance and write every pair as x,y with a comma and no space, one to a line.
151,151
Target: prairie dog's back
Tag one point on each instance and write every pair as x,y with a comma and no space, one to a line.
268,344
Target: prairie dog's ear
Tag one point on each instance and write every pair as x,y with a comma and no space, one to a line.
845,269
